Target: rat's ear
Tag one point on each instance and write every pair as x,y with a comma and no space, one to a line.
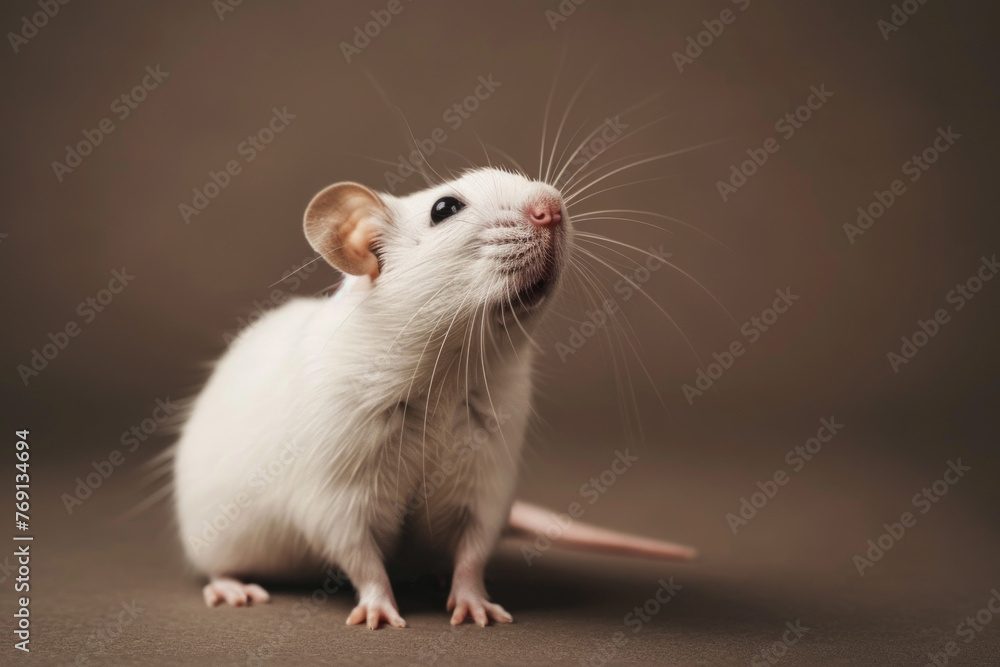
341,222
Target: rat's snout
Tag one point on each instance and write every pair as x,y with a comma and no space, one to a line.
545,212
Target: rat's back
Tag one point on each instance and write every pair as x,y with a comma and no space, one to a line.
234,448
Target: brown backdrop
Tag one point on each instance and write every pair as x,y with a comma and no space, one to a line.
119,209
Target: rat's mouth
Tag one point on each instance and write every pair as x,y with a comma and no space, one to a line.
530,272
529,290
532,295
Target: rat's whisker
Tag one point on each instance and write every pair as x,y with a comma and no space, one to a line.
472,165
619,333
507,156
599,239
402,430
638,163
548,108
486,153
590,215
620,186
513,311
468,363
562,154
639,289
562,123
424,163
486,384
427,405
593,133
578,219
620,141
503,320
283,278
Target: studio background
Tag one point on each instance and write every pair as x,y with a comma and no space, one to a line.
783,230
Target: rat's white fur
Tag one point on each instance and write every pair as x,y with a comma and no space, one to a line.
325,418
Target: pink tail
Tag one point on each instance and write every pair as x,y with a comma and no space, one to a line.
531,521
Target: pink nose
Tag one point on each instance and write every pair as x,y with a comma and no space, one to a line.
545,213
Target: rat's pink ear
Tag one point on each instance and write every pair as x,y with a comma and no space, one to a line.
341,222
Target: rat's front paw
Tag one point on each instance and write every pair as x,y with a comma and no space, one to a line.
374,611
476,606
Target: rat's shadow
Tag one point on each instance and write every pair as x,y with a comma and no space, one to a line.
607,589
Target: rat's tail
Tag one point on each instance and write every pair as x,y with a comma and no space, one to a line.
529,521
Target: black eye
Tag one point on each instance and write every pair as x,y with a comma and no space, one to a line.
445,208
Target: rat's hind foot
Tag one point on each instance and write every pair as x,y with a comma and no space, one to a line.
233,592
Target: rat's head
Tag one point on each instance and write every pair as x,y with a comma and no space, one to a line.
490,243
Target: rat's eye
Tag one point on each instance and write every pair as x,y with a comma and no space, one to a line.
445,208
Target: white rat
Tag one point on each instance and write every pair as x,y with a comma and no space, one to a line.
335,425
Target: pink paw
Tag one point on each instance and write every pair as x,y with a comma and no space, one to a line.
375,611
478,608
233,592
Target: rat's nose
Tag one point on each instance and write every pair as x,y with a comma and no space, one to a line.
545,213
